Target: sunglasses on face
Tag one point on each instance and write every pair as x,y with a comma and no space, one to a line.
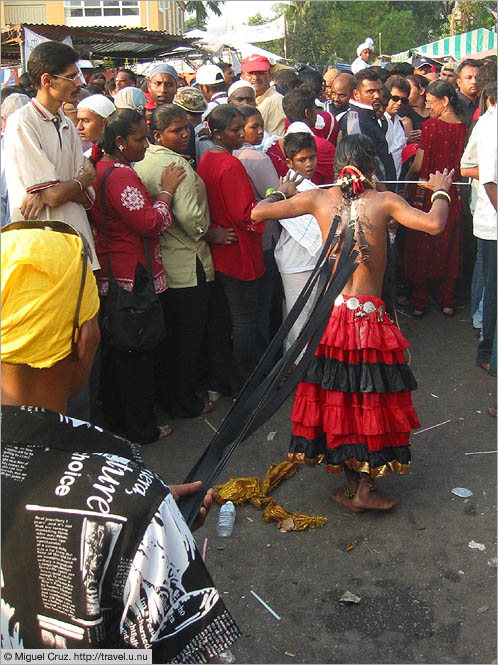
397,98
61,227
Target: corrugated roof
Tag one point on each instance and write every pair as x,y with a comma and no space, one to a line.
96,42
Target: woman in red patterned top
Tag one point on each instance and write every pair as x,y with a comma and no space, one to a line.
127,382
239,265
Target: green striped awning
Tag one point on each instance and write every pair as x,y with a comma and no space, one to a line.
458,46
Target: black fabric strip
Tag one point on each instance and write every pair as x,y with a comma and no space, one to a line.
333,374
264,391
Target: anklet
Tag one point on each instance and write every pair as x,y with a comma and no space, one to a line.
349,493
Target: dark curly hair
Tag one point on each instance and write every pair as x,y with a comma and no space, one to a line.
120,123
358,151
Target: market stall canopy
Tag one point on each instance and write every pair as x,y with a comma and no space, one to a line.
96,43
465,45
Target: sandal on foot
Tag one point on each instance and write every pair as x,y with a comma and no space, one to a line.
164,431
449,312
483,365
418,313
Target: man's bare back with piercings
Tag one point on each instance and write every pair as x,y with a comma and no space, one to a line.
363,453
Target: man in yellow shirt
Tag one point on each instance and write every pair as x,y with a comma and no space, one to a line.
256,70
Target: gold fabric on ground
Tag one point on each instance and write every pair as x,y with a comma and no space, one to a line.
240,490
302,521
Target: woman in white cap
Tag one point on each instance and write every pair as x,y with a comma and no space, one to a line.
364,53
92,113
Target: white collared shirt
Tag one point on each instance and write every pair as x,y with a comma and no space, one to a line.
485,214
396,139
39,155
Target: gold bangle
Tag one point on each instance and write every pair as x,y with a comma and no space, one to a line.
165,191
441,192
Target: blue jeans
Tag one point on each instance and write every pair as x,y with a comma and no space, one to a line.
485,346
242,298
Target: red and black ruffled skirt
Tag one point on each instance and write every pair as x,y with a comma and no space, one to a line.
354,405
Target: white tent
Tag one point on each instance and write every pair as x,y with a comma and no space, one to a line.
215,44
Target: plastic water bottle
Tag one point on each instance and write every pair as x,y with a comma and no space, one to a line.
226,657
226,518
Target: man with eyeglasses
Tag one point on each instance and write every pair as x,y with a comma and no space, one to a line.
47,175
95,553
256,70
399,89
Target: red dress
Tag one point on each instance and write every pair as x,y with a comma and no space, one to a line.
426,256
354,405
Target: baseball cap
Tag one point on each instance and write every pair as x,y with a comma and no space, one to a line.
422,62
448,67
191,100
209,75
255,63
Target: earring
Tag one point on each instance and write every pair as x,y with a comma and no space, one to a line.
121,147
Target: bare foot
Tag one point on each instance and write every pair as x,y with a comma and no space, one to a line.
339,496
368,499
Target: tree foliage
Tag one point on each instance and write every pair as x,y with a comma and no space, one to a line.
322,32
200,11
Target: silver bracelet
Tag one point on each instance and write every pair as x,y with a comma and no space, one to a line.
79,183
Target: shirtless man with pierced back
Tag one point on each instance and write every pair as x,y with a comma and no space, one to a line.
353,408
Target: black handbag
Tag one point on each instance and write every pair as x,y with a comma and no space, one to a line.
133,320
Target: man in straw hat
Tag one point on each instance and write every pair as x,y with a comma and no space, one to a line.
95,553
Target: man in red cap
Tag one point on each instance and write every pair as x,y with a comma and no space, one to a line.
256,70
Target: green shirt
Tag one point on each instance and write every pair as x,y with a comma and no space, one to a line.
184,240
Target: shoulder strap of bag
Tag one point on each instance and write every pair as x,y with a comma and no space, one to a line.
104,211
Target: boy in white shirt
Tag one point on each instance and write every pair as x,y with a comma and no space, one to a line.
300,241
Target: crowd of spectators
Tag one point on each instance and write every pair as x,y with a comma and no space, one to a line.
152,171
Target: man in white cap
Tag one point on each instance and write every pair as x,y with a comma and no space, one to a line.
211,82
364,53
92,114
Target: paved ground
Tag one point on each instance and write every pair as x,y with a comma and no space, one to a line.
426,597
